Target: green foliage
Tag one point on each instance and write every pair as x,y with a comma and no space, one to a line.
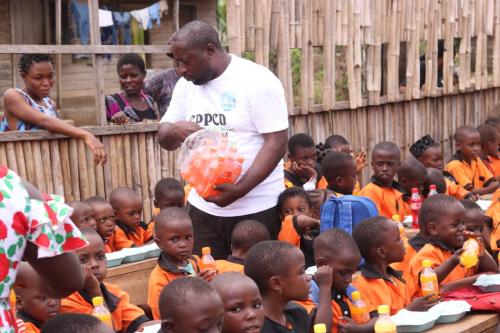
222,21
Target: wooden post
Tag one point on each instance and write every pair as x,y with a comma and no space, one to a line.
95,39
58,57
176,15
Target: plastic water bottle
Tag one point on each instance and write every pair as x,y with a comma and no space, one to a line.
319,328
432,190
401,227
101,312
207,261
415,204
428,280
384,323
469,258
359,312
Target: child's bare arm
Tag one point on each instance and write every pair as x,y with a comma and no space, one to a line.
323,278
347,325
462,283
423,303
487,263
492,187
447,266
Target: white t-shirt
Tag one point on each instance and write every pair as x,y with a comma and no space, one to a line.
246,100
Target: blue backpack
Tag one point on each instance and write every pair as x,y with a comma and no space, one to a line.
346,212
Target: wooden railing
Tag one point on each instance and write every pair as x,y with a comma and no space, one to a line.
60,165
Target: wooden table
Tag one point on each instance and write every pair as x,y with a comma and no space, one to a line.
133,278
472,323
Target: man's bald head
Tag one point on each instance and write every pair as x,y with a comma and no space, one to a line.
196,34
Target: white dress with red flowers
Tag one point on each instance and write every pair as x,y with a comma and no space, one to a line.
22,220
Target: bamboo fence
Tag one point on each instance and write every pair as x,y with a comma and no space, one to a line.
372,34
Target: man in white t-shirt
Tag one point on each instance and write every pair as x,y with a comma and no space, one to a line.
246,100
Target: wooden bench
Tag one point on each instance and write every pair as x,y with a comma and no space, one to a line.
472,323
133,278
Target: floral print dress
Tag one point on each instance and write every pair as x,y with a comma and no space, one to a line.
22,220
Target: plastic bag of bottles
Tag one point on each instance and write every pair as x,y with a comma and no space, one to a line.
206,159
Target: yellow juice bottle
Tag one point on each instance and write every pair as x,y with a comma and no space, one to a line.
428,280
359,312
384,323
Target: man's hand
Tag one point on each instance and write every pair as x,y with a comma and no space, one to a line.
171,135
182,129
228,193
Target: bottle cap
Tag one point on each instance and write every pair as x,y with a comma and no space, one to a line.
206,250
414,190
426,263
320,328
383,309
96,301
356,295
432,187
396,218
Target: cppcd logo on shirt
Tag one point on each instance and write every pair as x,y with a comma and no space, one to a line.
228,101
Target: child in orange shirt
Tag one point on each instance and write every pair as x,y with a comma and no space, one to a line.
190,305
34,306
106,227
126,317
411,174
430,155
127,206
278,269
336,250
243,309
168,193
297,228
339,170
244,236
337,143
490,139
443,217
475,221
466,166
83,215
382,189
380,244
301,168
174,236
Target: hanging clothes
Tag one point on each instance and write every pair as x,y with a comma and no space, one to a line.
122,22
80,14
105,18
142,17
154,15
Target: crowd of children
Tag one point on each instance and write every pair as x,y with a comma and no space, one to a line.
265,285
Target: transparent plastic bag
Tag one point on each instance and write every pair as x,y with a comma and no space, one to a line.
206,159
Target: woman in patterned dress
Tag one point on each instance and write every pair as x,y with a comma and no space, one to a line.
30,108
131,104
38,230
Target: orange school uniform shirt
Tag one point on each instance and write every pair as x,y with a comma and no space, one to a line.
117,241
454,189
164,273
412,246
30,324
139,235
377,290
388,199
437,253
473,175
126,316
231,264
290,233
494,213
341,306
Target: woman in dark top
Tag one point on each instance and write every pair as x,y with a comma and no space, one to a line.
131,104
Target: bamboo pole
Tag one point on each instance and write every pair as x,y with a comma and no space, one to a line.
48,168
393,55
29,162
21,163
82,172
74,168
58,16
233,12
249,26
353,99
496,46
143,170
127,161
259,31
91,171
37,161
63,153
11,157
